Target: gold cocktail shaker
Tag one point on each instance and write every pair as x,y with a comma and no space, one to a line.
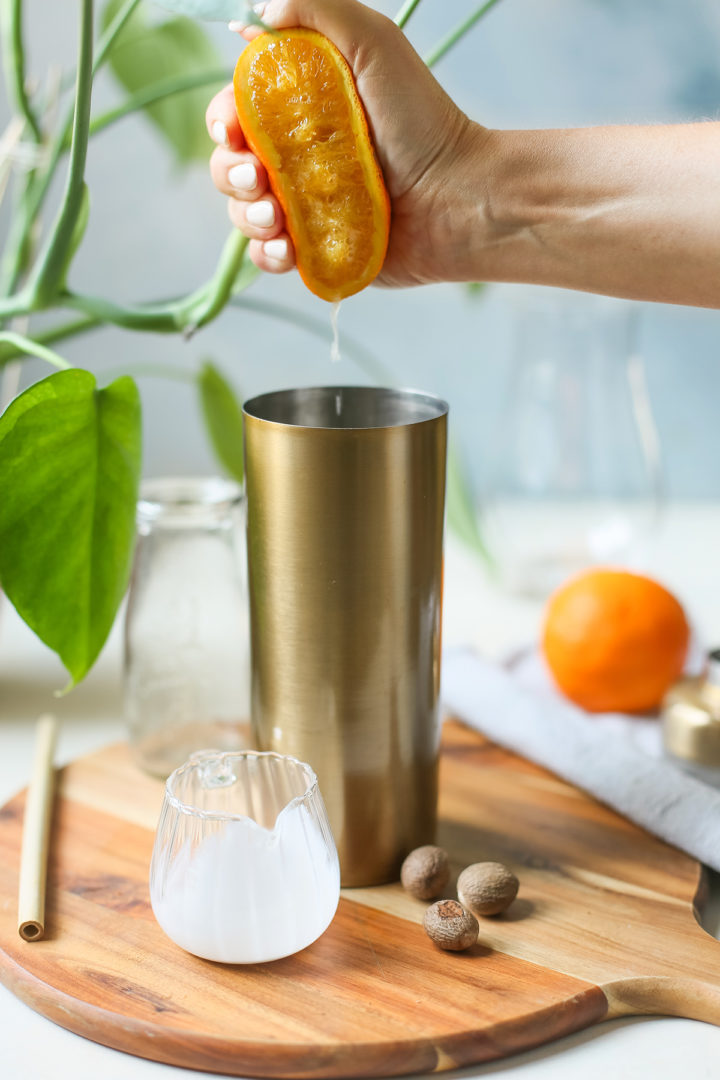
345,502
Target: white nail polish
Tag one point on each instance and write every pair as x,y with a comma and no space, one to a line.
219,133
259,8
243,177
261,214
276,249
237,26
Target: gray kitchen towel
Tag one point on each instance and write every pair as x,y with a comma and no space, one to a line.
616,758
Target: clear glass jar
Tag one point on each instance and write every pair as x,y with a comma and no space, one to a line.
576,474
187,640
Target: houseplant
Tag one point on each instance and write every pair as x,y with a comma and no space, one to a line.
70,454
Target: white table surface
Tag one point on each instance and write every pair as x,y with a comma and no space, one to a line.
32,1048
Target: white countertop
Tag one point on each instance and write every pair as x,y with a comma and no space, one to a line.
32,1048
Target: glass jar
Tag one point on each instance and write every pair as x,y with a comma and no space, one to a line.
187,642
576,473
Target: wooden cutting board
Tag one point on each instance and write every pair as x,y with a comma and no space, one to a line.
603,926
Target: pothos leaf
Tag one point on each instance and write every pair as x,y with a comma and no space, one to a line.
69,474
223,419
462,517
145,54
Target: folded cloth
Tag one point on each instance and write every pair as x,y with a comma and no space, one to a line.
616,758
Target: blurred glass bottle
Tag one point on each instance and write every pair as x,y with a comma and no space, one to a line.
187,648
576,477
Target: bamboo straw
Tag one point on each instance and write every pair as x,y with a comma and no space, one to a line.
36,829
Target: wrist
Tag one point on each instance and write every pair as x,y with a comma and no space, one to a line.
479,220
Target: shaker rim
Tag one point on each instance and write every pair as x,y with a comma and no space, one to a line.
260,406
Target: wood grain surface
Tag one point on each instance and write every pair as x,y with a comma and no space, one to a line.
604,925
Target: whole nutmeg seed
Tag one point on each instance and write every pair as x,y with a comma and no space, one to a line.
487,888
450,925
425,872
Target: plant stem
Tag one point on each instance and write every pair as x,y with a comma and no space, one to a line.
405,12
72,328
18,241
108,38
453,36
208,301
156,92
158,318
17,304
14,61
52,263
32,348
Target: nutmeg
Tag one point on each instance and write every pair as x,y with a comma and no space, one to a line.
487,888
450,925
425,872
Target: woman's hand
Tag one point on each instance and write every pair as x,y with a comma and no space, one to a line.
422,140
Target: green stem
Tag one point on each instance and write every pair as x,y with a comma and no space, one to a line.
156,92
18,242
186,314
208,301
405,12
453,36
14,60
32,348
52,263
72,328
18,304
158,318
107,40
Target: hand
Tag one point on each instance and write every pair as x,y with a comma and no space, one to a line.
420,135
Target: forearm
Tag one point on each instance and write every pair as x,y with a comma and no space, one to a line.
627,211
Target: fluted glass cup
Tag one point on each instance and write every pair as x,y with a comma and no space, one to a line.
244,868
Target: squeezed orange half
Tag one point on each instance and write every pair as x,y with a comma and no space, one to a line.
301,115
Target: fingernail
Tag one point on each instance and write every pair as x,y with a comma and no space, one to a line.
243,177
261,214
259,8
219,133
276,249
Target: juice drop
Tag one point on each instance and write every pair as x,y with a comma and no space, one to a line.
335,346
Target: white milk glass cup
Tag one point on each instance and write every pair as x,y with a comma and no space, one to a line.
244,868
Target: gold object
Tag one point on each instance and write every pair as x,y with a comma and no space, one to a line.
345,490
691,719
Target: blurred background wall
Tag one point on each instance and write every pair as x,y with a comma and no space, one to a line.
156,230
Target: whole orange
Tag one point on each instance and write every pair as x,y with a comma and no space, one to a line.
614,641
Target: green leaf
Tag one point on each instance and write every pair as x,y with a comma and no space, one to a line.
223,420
462,516
144,54
69,474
